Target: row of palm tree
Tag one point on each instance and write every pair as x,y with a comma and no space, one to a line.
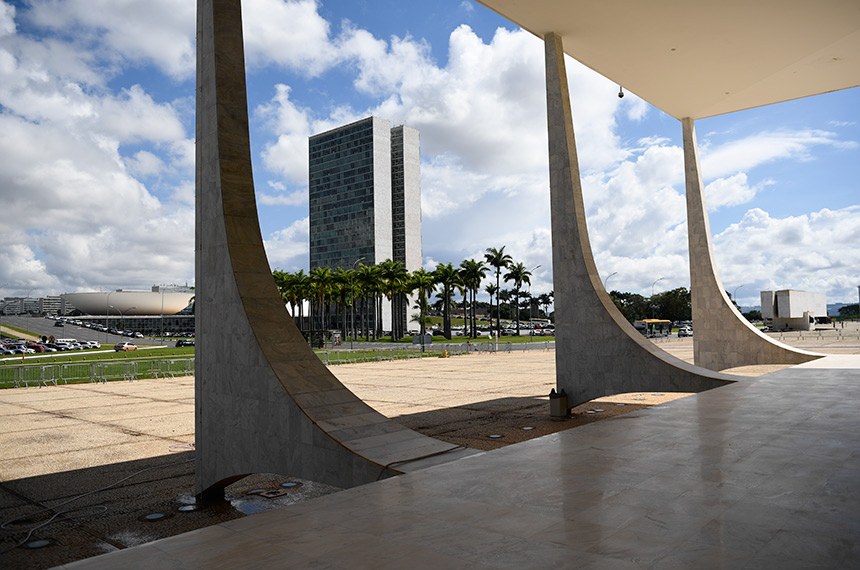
351,299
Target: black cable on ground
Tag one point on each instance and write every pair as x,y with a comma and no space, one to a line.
57,513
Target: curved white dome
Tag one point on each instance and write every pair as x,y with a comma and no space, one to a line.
129,302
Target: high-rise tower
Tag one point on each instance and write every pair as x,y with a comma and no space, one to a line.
365,197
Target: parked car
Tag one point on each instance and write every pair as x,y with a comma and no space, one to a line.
685,331
124,346
183,342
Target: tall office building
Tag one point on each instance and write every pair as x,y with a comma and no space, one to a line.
365,197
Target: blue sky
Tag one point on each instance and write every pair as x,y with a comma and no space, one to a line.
97,126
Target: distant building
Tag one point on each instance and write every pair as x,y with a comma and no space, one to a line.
793,310
365,197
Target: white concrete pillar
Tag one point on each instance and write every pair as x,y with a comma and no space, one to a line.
722,337
597,351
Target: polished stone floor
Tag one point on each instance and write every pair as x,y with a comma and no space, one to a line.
764,473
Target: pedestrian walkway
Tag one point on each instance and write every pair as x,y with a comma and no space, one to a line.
761,473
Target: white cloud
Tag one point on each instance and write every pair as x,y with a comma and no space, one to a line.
732,191
289,34
292,199
158,32
809,252
288,155
287,249
89,222
144,163
7,19
761,148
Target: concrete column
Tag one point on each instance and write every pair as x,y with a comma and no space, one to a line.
264,403
597,351
722,337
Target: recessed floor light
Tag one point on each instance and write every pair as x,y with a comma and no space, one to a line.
528,428
188,508
154,517
495,436
38,543
291,484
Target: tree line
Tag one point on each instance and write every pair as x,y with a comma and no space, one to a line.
352,299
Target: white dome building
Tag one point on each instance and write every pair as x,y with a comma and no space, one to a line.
129,303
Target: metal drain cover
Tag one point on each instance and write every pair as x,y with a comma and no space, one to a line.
274,493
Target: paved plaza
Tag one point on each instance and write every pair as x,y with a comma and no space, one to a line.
60,442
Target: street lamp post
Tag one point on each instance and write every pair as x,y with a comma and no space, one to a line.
531,326
735,295
654,283
107,319
352,301
650,299
3,310
605,281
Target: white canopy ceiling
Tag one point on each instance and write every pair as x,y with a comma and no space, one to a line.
699,58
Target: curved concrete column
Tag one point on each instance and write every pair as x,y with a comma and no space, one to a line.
722,337
264,401
597,351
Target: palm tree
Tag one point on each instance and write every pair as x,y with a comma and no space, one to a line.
322,279
370,282
492,291
472,273
519,275
498,259
340,291
449,279
544,300
425,282
394,278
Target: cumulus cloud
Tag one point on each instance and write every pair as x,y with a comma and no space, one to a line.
75,154
809,252
156,32
109,159
7,19
287,248
288,34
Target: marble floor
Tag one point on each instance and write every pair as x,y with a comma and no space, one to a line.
764,473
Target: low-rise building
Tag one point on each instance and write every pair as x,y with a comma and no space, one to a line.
790,309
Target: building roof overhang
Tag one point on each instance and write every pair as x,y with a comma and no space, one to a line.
700,59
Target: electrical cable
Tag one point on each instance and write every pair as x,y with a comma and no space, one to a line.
57,513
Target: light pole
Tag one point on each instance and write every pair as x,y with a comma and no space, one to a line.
735,296
650,301
107,320
352,301
605,281
654,283
3,310
122,315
